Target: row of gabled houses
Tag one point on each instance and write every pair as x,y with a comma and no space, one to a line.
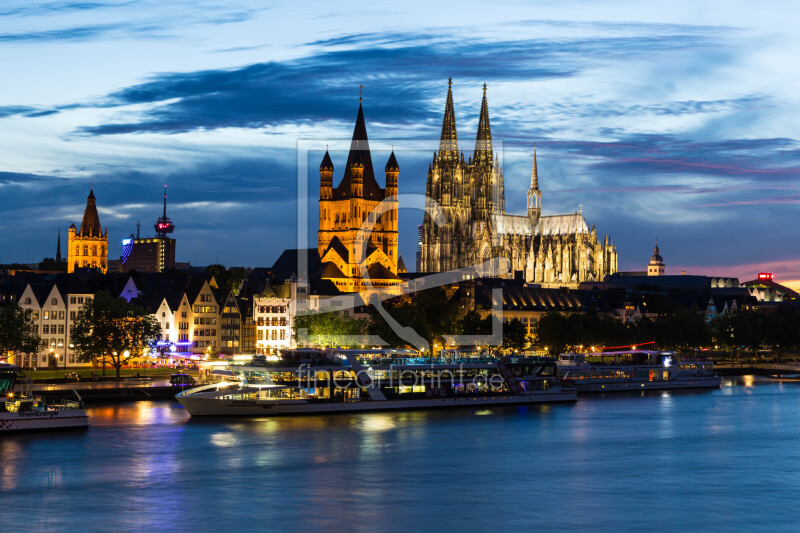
197,316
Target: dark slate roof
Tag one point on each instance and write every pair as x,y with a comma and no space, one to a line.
359,151
378,271
90,227
326,164
340,248
331,271
287,263
391,164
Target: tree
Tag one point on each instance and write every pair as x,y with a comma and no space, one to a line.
515,335
782,330
110,330
433,314
553,332
18,332
740,328
683,331
49,263
329,329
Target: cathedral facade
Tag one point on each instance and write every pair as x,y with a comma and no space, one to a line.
550,250
354,237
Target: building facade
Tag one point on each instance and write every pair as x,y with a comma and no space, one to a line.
347,252
549,250
87,246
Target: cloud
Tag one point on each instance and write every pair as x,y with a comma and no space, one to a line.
397,69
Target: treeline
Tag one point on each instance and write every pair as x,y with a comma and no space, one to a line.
684,330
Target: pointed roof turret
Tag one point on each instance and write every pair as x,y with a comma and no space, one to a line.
483,140
359,151
448,145
391,164
327,164
90,226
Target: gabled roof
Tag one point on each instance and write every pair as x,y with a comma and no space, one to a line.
378,271
337,246
331,271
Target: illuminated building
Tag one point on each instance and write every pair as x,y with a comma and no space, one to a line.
549,250
154,254
87,246
656,266
343,250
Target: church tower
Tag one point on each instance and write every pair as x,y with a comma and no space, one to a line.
353,237
656,266
487,176
87,246
448,185
534,195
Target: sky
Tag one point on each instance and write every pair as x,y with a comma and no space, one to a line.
674,121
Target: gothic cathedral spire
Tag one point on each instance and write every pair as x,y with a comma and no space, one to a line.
483,141
448,146
534,194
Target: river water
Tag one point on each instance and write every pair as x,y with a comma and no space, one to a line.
726,459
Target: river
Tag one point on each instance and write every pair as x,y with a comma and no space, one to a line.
727,459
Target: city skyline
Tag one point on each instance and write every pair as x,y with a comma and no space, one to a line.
668,123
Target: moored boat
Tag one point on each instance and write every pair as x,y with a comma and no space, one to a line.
635,370
26,412
336,381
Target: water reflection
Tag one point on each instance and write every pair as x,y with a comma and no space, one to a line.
418,470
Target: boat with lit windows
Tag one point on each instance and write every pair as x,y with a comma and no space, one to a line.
25,412
334,381
635,370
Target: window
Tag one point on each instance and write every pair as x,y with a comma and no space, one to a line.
46,315
54,301
183,314
72,300
45,329
61,329
61,315
163,314
86,249
167,326
80,299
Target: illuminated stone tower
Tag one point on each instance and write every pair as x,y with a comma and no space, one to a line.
87,246
345,251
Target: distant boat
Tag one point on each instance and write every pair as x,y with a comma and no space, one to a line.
635,370
338,381
26,412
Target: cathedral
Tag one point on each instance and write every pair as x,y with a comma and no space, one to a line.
550,250
344,250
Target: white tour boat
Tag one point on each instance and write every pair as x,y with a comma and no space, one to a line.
635,370
336,381
29,413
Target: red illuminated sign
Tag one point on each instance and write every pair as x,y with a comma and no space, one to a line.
765,275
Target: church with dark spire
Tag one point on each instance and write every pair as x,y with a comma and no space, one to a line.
357,236
87,246
550,250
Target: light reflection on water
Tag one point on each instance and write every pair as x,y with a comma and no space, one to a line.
631,461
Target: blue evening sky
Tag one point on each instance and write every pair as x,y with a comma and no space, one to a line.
670,119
